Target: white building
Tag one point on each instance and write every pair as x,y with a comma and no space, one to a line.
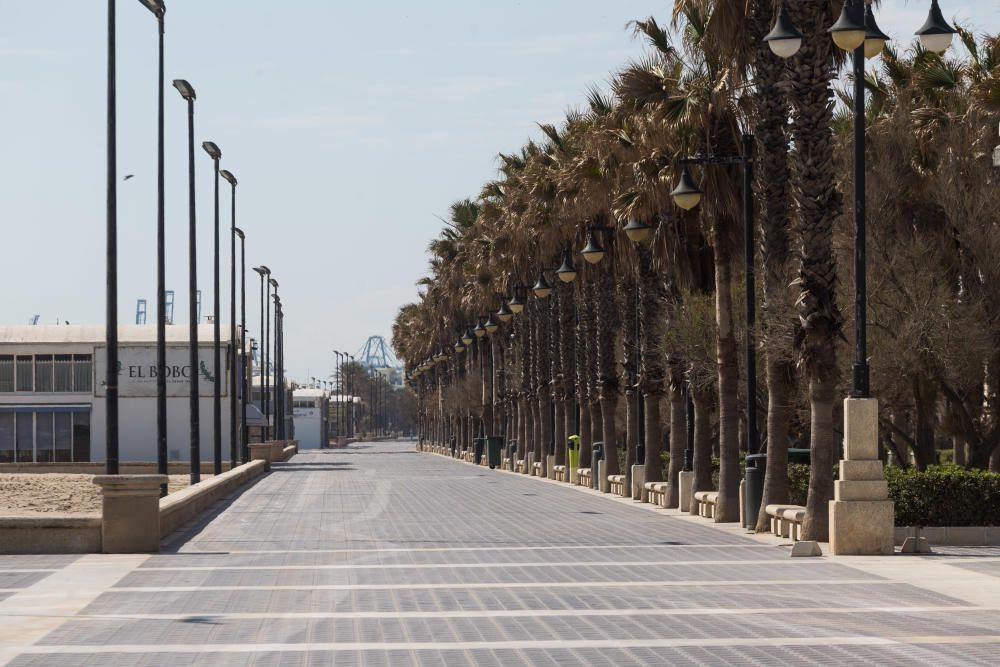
52,398
310,409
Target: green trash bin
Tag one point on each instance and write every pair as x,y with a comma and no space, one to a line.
494,447
478,445
573,454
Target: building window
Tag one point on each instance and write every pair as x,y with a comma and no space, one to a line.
43,373
44,438
82,375
81,436
63,372
6,437
25,437
25,374
6,373
64,437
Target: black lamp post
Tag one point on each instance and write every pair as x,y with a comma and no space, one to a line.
187,92
111,312
270,401
279,383
233,437
216,155
264,273
350,381
336,356
159,11
240,354
856,31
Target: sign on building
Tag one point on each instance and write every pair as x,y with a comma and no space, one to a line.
137,371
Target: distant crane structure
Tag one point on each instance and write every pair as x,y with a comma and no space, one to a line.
34,320
376,354
140,311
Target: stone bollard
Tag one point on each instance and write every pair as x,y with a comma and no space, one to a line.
603,485
529,464
686,484
130,521
261,451
638,481
550,466
861,514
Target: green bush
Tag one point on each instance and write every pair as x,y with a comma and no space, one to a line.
945,496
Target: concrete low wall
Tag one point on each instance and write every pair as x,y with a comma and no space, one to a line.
185,505
125,468
953,536
51,534
290,451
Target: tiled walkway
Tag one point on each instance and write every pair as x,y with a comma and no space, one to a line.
378,555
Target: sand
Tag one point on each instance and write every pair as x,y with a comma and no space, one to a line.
23,494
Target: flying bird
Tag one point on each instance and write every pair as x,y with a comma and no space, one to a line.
128,177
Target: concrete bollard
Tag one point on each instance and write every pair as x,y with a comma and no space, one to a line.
638,480
130,521
686,484
550,466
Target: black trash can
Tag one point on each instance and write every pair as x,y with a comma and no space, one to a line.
596,455
494,447
800,455
754,489
478,445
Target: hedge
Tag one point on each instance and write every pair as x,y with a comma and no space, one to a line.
945,496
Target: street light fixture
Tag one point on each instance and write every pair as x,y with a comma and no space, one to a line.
216,155
542,288
784,39
460,345
187,92
516,303
479,330
875,39
849,31
935,34
265,326
567,272
505,314
637,231
593,252
491,327
686,194
467,337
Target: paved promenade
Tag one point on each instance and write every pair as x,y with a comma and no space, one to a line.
380,556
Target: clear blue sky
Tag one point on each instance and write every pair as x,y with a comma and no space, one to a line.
350,125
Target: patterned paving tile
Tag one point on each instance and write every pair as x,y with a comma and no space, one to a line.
395,558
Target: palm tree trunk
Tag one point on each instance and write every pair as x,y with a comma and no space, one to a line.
727,509
702,463
652,373
819,205
779,414
630,362
772,186
678,441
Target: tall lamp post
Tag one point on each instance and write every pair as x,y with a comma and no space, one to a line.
269,346
159,11
240,354
279,402
264,273
350,393
216,155
861,515
233,437
187,92
111,312
687,195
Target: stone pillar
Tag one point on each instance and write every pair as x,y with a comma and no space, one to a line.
550,466
277,450
861,514
603,485
529,463
261,451
638,479
130,521
686,483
